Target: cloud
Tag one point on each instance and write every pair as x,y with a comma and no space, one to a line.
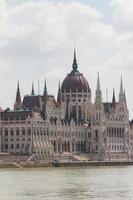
3,3
122,12
37,40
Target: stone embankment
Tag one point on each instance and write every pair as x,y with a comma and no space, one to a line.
63,160
64,164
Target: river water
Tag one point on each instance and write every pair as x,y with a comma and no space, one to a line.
67,183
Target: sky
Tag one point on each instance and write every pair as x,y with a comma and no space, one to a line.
37,39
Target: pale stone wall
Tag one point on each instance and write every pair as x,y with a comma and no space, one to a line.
16,137
76,105
102,135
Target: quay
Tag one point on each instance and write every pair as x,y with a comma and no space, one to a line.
61,160
64,164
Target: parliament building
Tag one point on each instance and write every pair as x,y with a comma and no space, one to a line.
73,127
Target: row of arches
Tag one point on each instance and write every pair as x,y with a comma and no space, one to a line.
68,146
115,132
75,112
16,131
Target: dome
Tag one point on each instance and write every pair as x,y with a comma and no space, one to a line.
75,81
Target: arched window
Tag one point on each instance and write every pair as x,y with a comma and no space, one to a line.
6,132
12,132
29,131
112,130
96,134
115,132
23,131
109,131
96,147
54,146
17,131
74,113
79,112
89,134
99,116
122,132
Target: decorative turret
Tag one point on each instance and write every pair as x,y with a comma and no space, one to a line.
98,106
75,65
59,96
122,105
121,93
98,98
33,91
75,81
125,97
45,98
97,120
98,83
45,91
18,104
113,99
76,95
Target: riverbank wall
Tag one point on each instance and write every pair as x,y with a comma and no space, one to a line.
65,164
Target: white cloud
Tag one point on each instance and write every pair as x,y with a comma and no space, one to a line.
122,14
3,3
37,39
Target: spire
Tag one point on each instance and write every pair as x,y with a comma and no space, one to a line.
45,98
121,87
125,97
75,65
18,95
45,89
121,93
98,97
98,83
98,104
113,99
59,95
17,104
32,92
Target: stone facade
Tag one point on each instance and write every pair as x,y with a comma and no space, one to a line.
42,127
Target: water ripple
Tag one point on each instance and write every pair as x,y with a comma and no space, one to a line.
98,183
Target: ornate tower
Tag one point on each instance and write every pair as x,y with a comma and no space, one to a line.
121,127
113,101
98,106
18,104
76,95
97,124
122,109
32,91
45,99
59,96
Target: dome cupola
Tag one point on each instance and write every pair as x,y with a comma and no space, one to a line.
75,81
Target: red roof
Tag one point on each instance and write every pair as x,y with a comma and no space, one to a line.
51,101
36,101
32,101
